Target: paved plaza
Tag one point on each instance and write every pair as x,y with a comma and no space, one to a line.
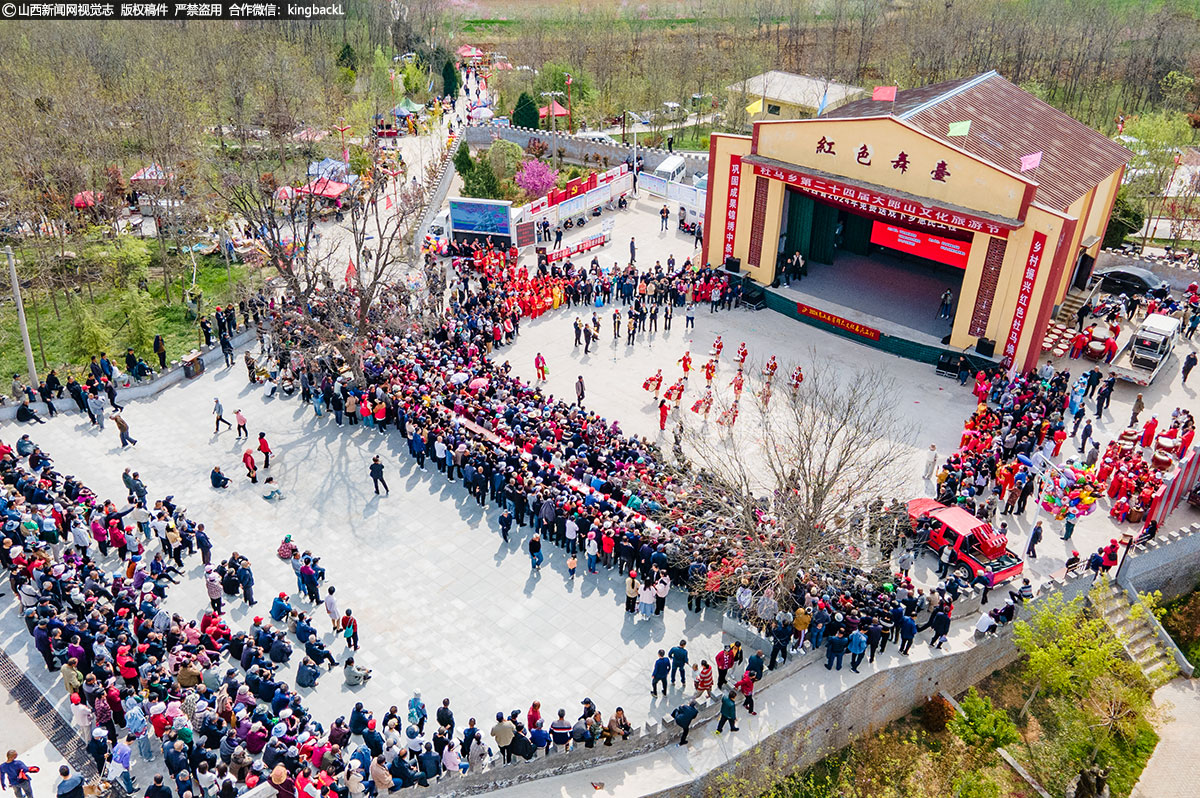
444,606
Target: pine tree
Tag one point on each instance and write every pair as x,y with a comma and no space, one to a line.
450,82
525,114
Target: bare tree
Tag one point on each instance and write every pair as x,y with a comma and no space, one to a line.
782,483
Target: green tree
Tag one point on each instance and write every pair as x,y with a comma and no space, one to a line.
505,158
347,58
525,114
450,79
463,163
1156,140
1066,648
86,334
980,725
415,79
139,331
482,183
1126,219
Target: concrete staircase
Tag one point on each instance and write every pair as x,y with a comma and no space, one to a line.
1137,634
1070,306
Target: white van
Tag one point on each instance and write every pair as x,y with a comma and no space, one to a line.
671,169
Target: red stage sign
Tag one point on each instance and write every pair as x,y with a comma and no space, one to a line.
1036,250
591,242
884,206
735,179
860,330
943,250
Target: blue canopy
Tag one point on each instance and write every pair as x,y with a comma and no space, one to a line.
330,169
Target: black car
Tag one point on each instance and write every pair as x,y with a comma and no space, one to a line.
1133,280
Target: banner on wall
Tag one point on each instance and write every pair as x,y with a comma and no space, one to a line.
1020,314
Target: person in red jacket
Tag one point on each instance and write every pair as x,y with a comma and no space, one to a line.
265,448
251,465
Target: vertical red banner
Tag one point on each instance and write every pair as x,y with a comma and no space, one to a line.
1028,279
735,180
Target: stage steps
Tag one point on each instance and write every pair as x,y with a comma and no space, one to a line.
1070,306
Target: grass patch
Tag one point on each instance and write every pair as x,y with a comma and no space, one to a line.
180,333
1181,619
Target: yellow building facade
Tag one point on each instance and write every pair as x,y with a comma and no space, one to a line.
1021,238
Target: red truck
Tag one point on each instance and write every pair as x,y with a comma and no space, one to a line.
974,543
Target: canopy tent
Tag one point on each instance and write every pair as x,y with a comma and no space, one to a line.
482,113
410,106
150,174
468,51
87,199
330,169
285,193
324,188
558,110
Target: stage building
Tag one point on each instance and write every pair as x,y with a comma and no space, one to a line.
973,186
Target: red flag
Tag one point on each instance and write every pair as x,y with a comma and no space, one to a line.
885,94
388,205
350,272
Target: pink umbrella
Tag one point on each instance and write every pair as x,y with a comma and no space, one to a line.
477,383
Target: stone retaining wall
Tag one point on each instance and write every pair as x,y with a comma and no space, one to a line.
140,390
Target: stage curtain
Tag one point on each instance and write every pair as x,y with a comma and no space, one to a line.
857,236
824,228
798,237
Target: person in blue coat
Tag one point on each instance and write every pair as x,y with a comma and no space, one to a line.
280,607
662,667
857,646
835,649
307,674
908,631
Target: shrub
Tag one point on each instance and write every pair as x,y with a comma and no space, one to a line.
936,713
981,725
537,148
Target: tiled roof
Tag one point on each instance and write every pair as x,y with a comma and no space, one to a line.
1006,124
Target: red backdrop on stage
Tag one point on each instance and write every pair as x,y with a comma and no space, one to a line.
943,250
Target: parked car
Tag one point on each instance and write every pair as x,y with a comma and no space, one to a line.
1132,280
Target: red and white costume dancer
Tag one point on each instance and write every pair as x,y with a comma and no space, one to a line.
686,362
704,404
770,369
729,417
710,368
797,378
675,392
718,345
653,383
765,393
742,353
739,382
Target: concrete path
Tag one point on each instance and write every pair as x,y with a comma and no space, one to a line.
1171,771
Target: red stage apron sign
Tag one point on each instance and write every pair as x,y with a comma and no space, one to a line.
1027,280
883,206
861,330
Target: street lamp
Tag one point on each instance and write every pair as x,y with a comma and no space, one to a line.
16,289
1127,542
571,121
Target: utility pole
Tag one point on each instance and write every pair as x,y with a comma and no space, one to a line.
16,289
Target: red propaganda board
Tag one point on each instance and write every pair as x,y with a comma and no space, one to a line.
884,206
735,179
1036,249
943,250
525,235
861,330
